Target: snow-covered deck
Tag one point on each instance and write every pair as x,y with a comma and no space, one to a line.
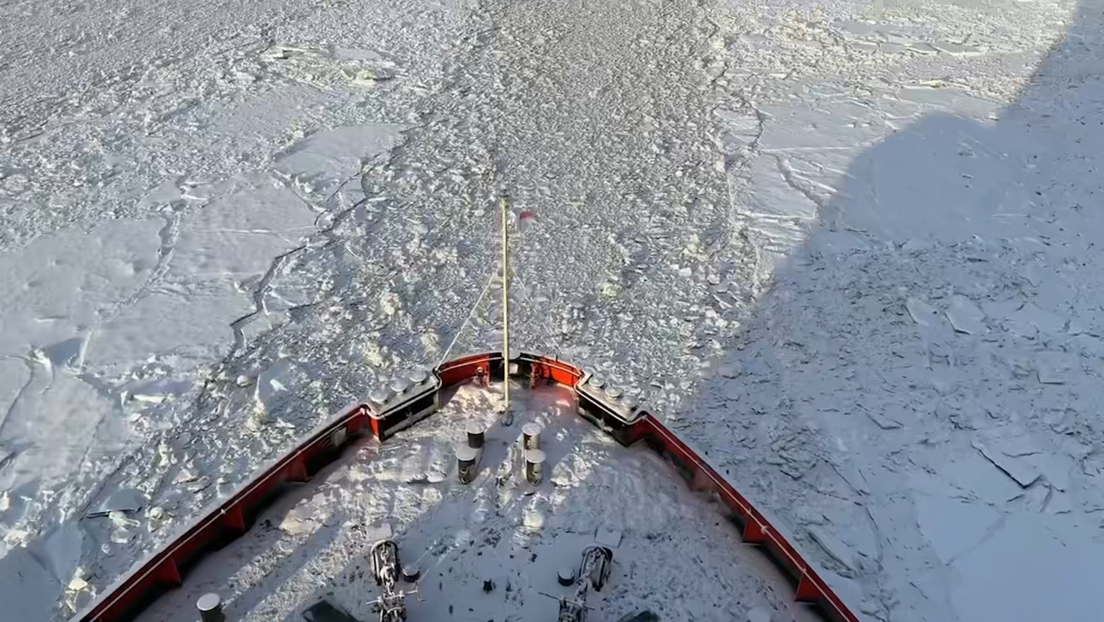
678,556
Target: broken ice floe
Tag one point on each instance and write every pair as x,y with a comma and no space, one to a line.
320,163
881,420
1019,470
832,545
965,316
121,500
1054,367
1029,320
274,385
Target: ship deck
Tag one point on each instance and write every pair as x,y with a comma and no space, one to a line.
678,555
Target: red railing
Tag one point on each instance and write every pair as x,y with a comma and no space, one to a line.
756,528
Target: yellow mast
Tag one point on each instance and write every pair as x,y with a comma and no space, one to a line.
505,307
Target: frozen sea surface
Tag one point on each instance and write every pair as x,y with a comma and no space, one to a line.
850,248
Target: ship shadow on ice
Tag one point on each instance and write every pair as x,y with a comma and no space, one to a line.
947,299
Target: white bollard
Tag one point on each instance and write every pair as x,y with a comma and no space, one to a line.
210,608
466,459
476,434
530,436
534,466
